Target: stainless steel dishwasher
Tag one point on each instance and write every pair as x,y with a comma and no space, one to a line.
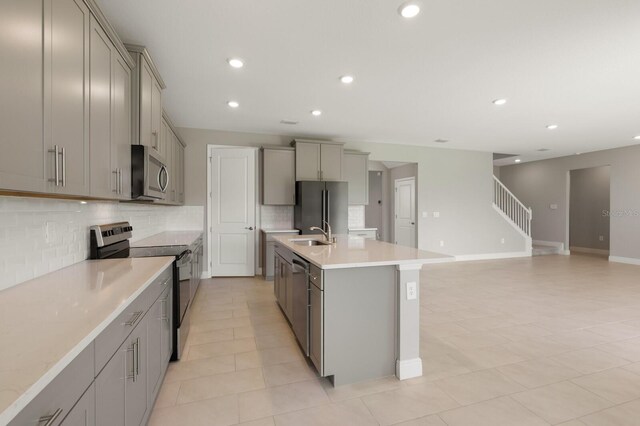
300,311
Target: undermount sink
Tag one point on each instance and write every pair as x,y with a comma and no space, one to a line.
309,242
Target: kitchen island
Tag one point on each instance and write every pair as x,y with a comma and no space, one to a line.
354,305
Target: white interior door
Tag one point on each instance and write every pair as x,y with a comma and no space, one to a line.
233,209
405,212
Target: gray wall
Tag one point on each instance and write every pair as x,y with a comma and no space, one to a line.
588,198
458,184
541,183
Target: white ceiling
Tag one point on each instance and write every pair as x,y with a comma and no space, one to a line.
575,63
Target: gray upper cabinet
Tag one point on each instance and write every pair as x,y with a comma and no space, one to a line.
21,103
146,100
307,161
64,94
110,118
356,173
331,162
278,176
317,160
104,180
66,112
121,125
174,160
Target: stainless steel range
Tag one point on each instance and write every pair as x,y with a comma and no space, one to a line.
112,241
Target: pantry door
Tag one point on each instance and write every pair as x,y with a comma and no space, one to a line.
232,210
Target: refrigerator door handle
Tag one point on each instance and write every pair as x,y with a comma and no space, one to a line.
328,219
324,209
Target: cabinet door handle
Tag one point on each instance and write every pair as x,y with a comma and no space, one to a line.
49,419
155,139
165,309
120,174
137,356
64,167
117,188
56,153
132,350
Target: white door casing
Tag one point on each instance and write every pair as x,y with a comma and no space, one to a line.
232,212
405,212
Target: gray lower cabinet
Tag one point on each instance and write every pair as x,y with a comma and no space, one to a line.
316,332
159,343
121,387
267,251
116,379
279,176
84,412
21,103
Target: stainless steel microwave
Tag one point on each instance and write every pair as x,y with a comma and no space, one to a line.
149,174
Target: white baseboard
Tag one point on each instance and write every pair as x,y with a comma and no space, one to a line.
627,260
408,368
205,275
492,256
589,250
556,244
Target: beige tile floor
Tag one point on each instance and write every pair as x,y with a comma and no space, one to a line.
537,341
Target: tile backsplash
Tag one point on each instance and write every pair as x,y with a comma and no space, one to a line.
356,217
276,217
40,235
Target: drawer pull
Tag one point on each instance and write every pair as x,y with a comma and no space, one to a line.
137,356
164,316
134,318
50,418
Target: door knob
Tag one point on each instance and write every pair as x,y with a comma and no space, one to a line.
250,228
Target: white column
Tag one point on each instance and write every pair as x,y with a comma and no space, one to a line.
408,362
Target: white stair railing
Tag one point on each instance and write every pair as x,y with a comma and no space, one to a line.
511,206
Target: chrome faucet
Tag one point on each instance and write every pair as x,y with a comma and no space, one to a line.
327,235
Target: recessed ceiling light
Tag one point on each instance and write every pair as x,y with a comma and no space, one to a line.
518,160
578,153
409,10
235,62
316,113
233,104
552,126
499,101
289,122
346,79
637,138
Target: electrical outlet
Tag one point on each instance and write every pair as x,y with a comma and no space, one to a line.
436,214
424,215
601,237
502,240
412,290
441,243
48,232
553,206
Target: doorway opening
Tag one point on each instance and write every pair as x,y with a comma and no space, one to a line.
589,210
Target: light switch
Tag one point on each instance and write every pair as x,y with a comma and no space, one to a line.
412,290
424,215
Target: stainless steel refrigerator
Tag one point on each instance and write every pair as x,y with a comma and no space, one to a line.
317,202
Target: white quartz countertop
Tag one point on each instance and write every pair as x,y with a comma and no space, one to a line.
46,322
280,231
355,252
169,238
363,229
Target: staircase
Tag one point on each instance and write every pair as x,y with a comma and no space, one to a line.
505,203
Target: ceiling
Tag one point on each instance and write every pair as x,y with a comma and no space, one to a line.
574,63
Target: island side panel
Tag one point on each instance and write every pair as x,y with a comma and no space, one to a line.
409,363
360,323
